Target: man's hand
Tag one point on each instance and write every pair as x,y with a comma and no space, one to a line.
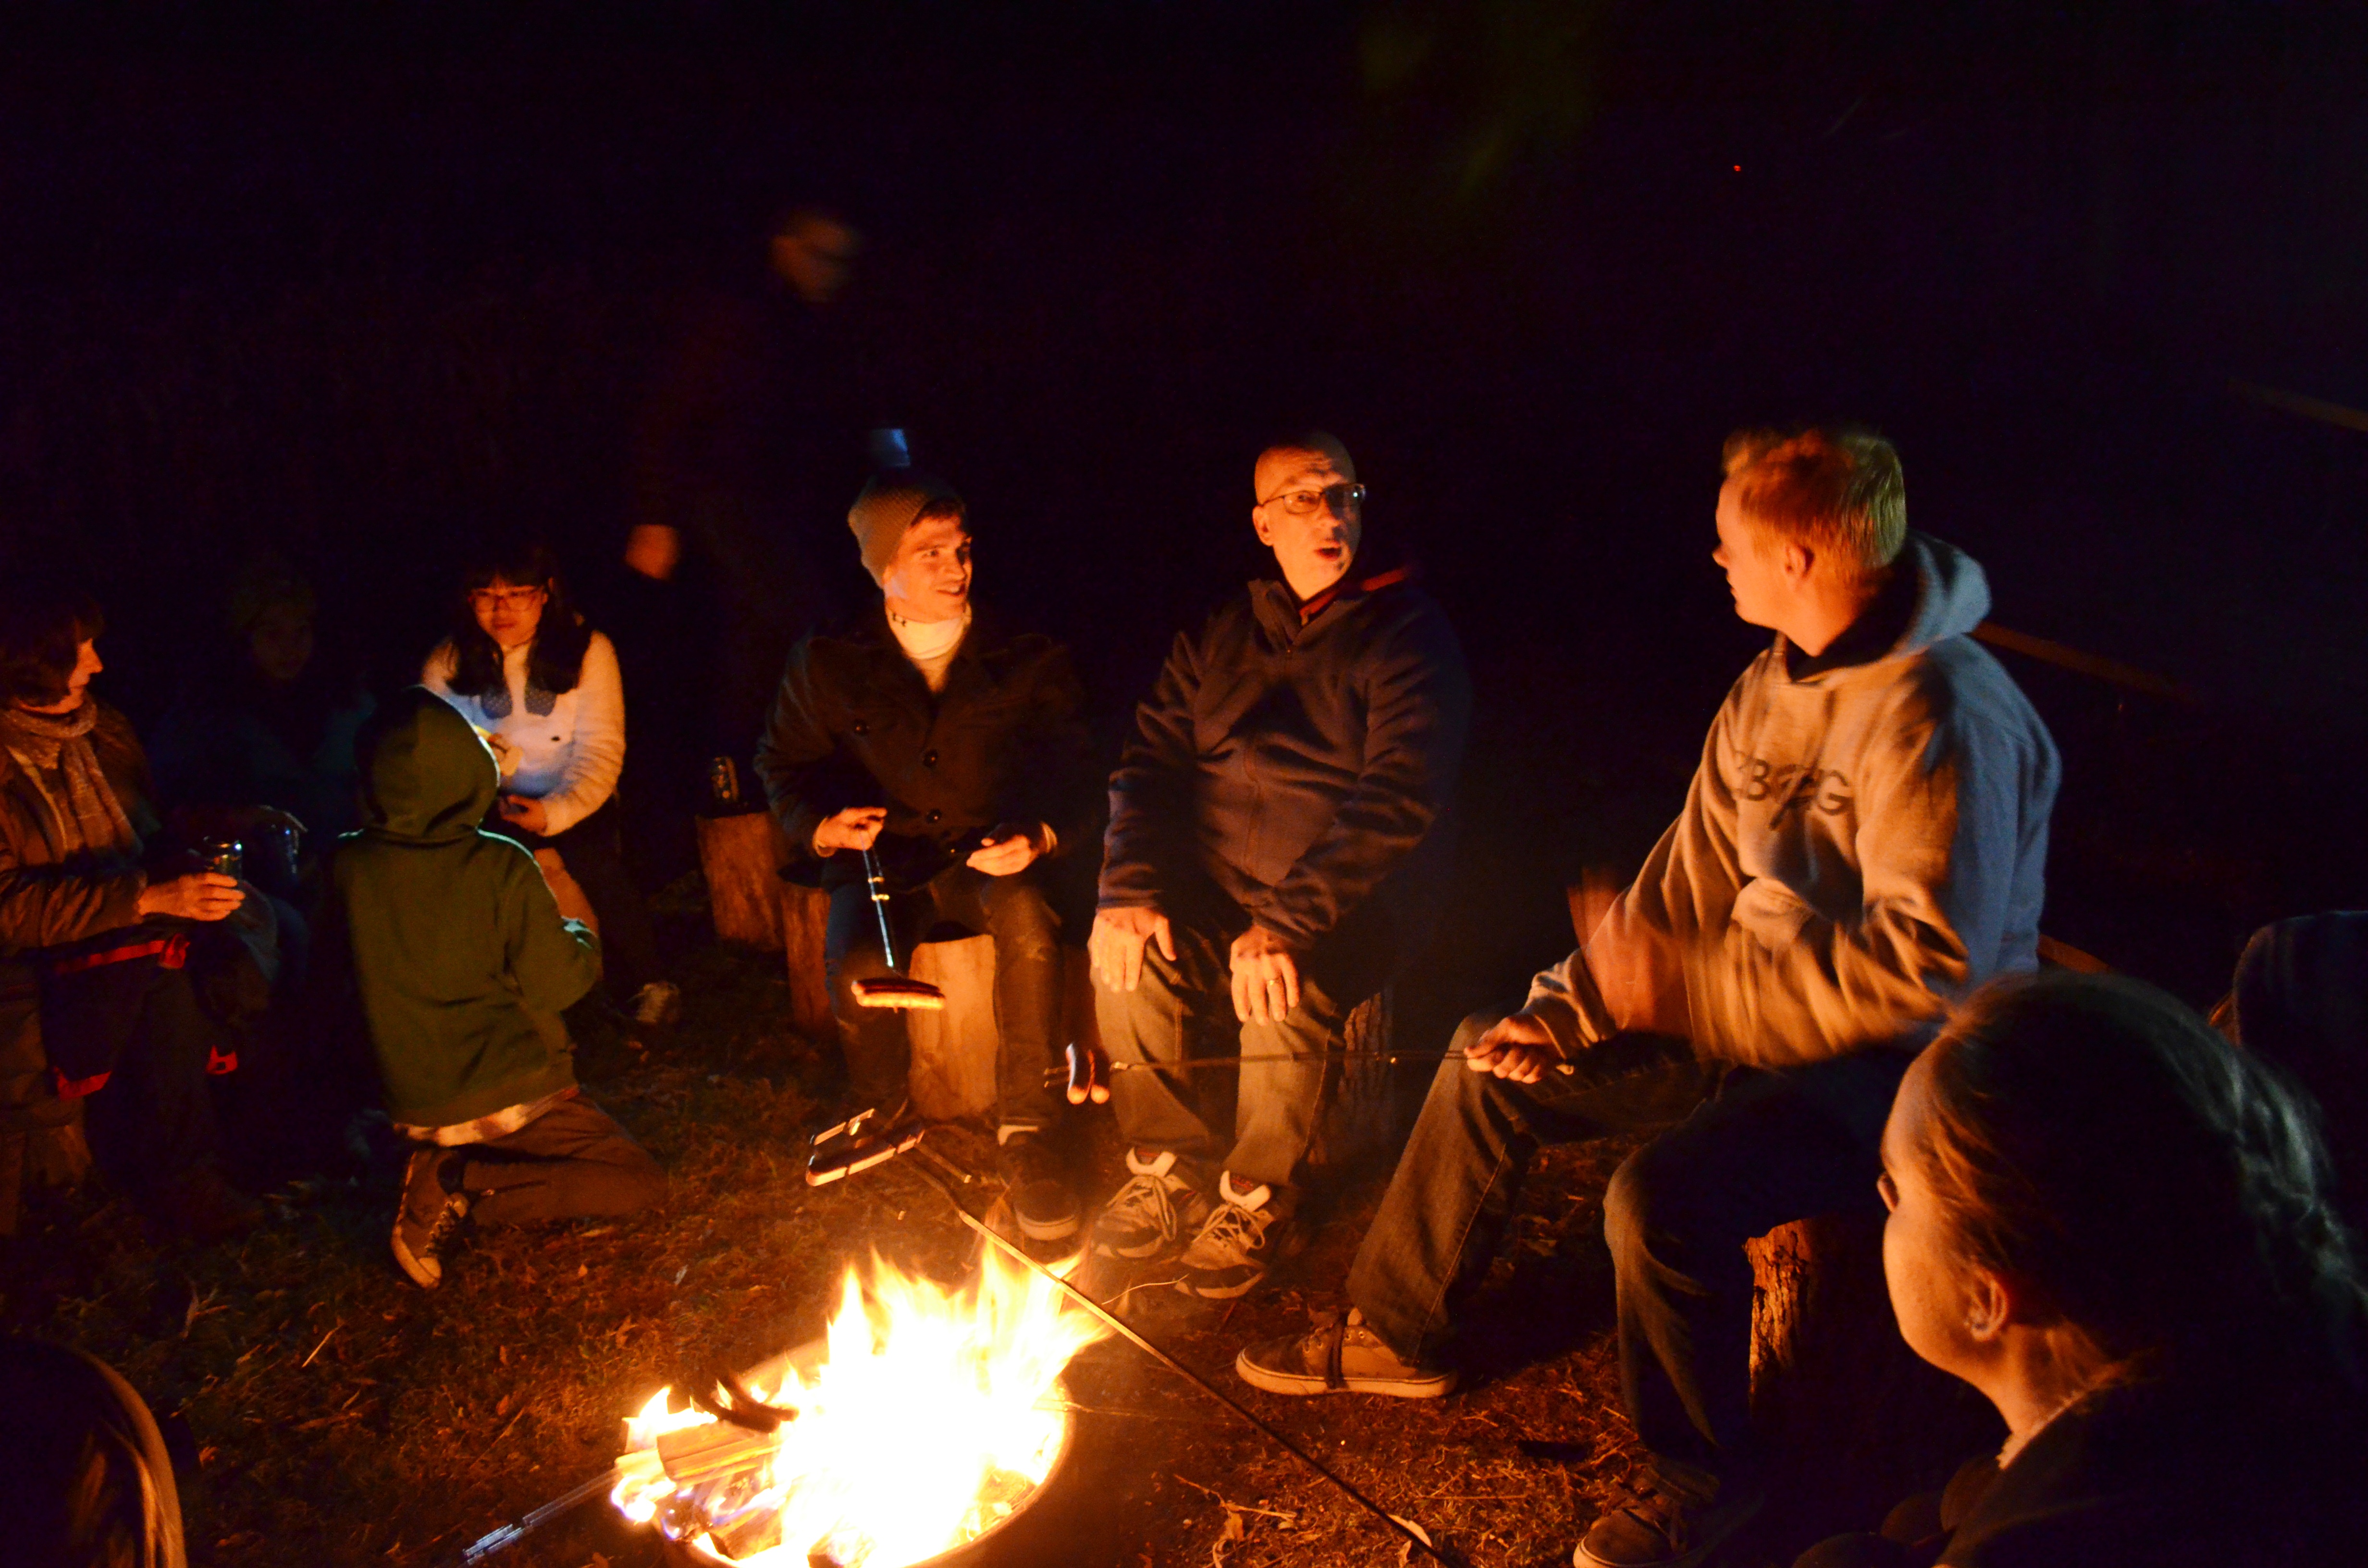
1007,850
654,549
1116,945
526,814
1517,1047
1266,977
858,827
201,895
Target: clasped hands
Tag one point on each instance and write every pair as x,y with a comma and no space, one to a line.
1007,849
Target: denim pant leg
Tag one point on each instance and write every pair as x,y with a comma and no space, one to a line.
1027,985
878,1053
1279,1100
1461,1170
1182,1008
1771,1147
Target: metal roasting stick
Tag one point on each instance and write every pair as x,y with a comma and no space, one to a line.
1193,1065
495,1541
899,989
1115,1325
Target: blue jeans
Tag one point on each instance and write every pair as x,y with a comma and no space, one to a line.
1751,1149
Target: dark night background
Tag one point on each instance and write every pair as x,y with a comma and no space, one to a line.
359,289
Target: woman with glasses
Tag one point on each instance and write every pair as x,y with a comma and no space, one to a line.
541,685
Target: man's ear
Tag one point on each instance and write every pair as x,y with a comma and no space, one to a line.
1257,521
1796,561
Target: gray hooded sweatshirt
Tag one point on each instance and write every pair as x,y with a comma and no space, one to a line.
1865,842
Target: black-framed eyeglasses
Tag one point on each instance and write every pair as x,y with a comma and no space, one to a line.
1342,498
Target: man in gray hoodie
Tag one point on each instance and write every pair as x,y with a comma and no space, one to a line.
1863,843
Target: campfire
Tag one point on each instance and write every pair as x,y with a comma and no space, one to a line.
925,1417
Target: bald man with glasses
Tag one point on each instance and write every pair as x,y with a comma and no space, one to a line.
1273,847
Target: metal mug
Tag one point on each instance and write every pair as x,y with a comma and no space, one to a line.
225,855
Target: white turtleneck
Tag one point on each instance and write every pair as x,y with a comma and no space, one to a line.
930,644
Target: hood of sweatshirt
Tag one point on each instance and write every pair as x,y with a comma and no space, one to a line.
427,776
1936,592
1952,593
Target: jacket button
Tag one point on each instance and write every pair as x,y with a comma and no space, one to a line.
929,757
861,728
935,813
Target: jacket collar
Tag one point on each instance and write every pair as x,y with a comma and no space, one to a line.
1289,614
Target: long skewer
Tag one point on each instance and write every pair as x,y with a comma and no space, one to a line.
1117,1325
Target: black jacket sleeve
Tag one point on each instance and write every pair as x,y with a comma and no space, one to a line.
806,777
1151,811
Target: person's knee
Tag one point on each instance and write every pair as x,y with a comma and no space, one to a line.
1626,1203
1022,924
633,1180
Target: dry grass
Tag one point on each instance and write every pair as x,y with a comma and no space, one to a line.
334,1415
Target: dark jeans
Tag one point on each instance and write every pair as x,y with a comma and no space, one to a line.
1752,1149
154,1121
1027,983
1255,1121
571,1160
594,853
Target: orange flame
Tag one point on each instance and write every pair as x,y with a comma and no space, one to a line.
934,1412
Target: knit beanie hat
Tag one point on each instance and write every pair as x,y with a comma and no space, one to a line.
890,503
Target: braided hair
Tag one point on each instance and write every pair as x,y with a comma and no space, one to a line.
2168,1195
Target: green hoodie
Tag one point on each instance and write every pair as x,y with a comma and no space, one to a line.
462,960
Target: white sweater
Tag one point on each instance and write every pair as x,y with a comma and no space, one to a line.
1860,848
565,750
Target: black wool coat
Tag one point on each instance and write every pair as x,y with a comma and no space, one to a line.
854,724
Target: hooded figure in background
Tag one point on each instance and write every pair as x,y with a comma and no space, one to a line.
86,1483
464,962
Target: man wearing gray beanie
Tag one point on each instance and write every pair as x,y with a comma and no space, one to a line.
1272,852
950,747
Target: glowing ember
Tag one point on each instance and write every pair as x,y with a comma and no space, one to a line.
932,1415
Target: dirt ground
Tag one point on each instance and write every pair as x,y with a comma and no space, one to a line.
326,1412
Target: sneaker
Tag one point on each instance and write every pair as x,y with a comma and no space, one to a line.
1657,1530
1151,1213
429,1215
1339,1356
1240,1241
657,1004
1036,1182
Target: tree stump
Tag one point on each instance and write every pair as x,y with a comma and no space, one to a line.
742,858
1361,1099
806,914
954,1048
1855,1414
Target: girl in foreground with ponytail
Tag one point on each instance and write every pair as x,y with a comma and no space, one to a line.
2118,1228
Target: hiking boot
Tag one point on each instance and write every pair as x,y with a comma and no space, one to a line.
1151,1213
1339,1356
429,1216
1241,1239
200,1205
1657,1529
1036,1182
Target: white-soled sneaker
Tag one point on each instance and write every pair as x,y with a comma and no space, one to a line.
1151,1213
